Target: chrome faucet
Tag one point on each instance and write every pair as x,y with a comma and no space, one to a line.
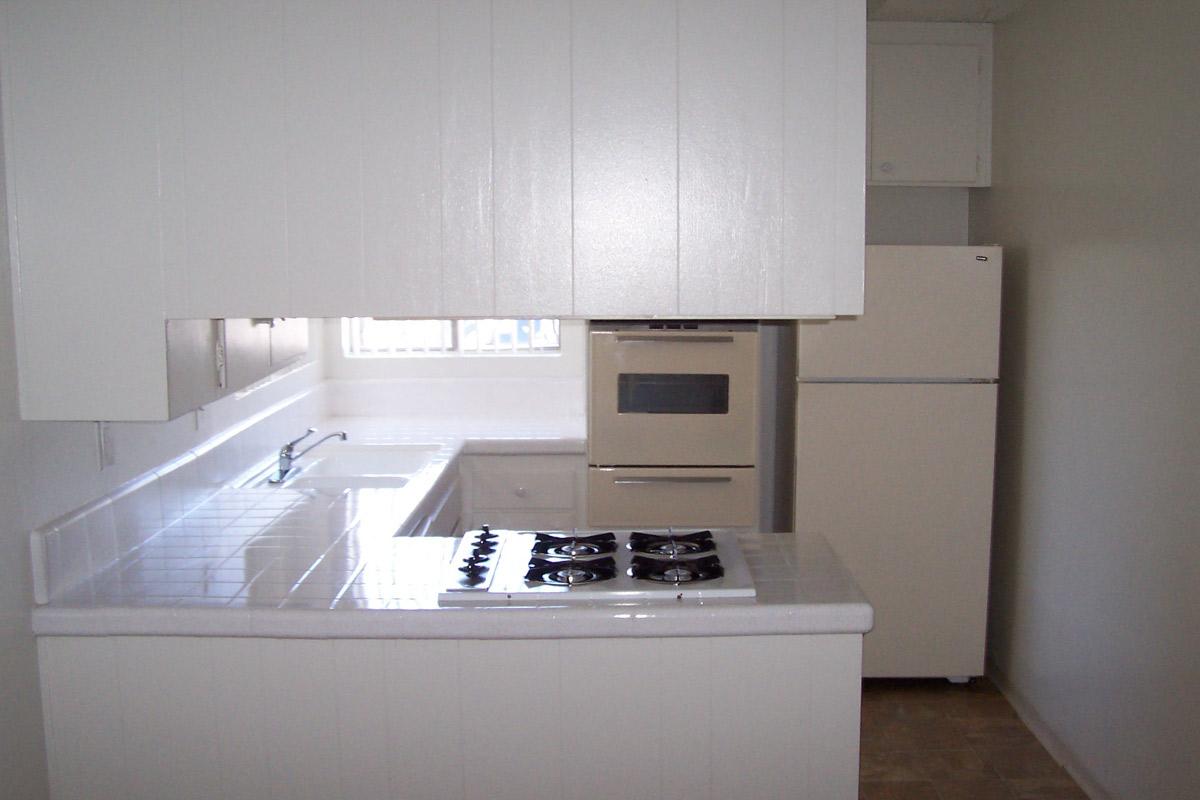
288,454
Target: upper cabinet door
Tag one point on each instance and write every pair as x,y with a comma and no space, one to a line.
731,143
531,136
625,177
402,159
234,183
91,165
930,104
465,41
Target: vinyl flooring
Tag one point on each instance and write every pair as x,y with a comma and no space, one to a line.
934,740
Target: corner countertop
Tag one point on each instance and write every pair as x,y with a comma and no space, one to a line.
392,593
322,563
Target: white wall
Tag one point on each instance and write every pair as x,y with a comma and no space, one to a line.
1095,602
22,758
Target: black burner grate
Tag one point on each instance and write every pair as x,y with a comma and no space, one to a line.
572,572
570,546
672,545
676,570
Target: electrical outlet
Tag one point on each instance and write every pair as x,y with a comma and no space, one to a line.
104,445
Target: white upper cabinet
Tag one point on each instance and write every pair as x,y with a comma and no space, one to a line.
930,101
168,159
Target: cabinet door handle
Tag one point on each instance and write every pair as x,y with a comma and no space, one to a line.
673,479
674,338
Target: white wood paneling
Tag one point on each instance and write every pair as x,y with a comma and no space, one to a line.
81,704
299,681
682,702
363,723
87,102
824,196
235,183
168,720
731,60
531,74
242,724
757,718
425,719
468,280
324,113
401,206
531,701
624,736
626,157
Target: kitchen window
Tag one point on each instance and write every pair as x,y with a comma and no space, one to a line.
368,337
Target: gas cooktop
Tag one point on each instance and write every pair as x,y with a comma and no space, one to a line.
553,567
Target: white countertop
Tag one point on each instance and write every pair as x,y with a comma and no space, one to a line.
322,563
392,593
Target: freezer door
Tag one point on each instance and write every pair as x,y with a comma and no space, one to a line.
931,313
899,479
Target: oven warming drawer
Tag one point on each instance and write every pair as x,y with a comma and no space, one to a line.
712,497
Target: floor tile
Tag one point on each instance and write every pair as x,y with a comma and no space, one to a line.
932,739
977,789
1059,788
897,790
1024,761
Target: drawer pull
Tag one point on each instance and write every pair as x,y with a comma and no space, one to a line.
520,492
671,479
674,339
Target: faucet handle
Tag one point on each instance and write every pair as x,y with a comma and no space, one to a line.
295,442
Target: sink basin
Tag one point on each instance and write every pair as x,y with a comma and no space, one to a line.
369,466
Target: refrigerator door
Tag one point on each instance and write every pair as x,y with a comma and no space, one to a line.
898,477
931,313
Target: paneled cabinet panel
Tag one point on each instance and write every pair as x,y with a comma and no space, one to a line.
414,158
929,94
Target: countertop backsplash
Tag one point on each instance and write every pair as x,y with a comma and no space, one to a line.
87,540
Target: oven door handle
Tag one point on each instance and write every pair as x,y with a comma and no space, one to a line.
673,479
674,339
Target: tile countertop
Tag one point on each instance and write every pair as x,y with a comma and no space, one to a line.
387,588
324,563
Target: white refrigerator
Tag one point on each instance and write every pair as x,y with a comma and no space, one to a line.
895,444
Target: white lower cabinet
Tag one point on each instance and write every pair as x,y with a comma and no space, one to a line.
533,492
747,717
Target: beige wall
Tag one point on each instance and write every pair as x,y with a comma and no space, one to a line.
1095,619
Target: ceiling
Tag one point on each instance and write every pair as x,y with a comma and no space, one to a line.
941,10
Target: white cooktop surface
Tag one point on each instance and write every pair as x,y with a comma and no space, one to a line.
503,578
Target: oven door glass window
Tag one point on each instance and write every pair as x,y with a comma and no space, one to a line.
658,393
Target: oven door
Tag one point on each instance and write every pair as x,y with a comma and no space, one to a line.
673,398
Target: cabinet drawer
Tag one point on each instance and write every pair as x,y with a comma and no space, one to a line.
695,496
523,482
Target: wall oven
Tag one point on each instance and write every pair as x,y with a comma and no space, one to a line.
673,424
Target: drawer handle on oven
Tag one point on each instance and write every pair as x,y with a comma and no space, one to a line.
681,479
649,337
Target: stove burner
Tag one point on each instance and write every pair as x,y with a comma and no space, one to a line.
673,545
574,546
570,573
676,570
